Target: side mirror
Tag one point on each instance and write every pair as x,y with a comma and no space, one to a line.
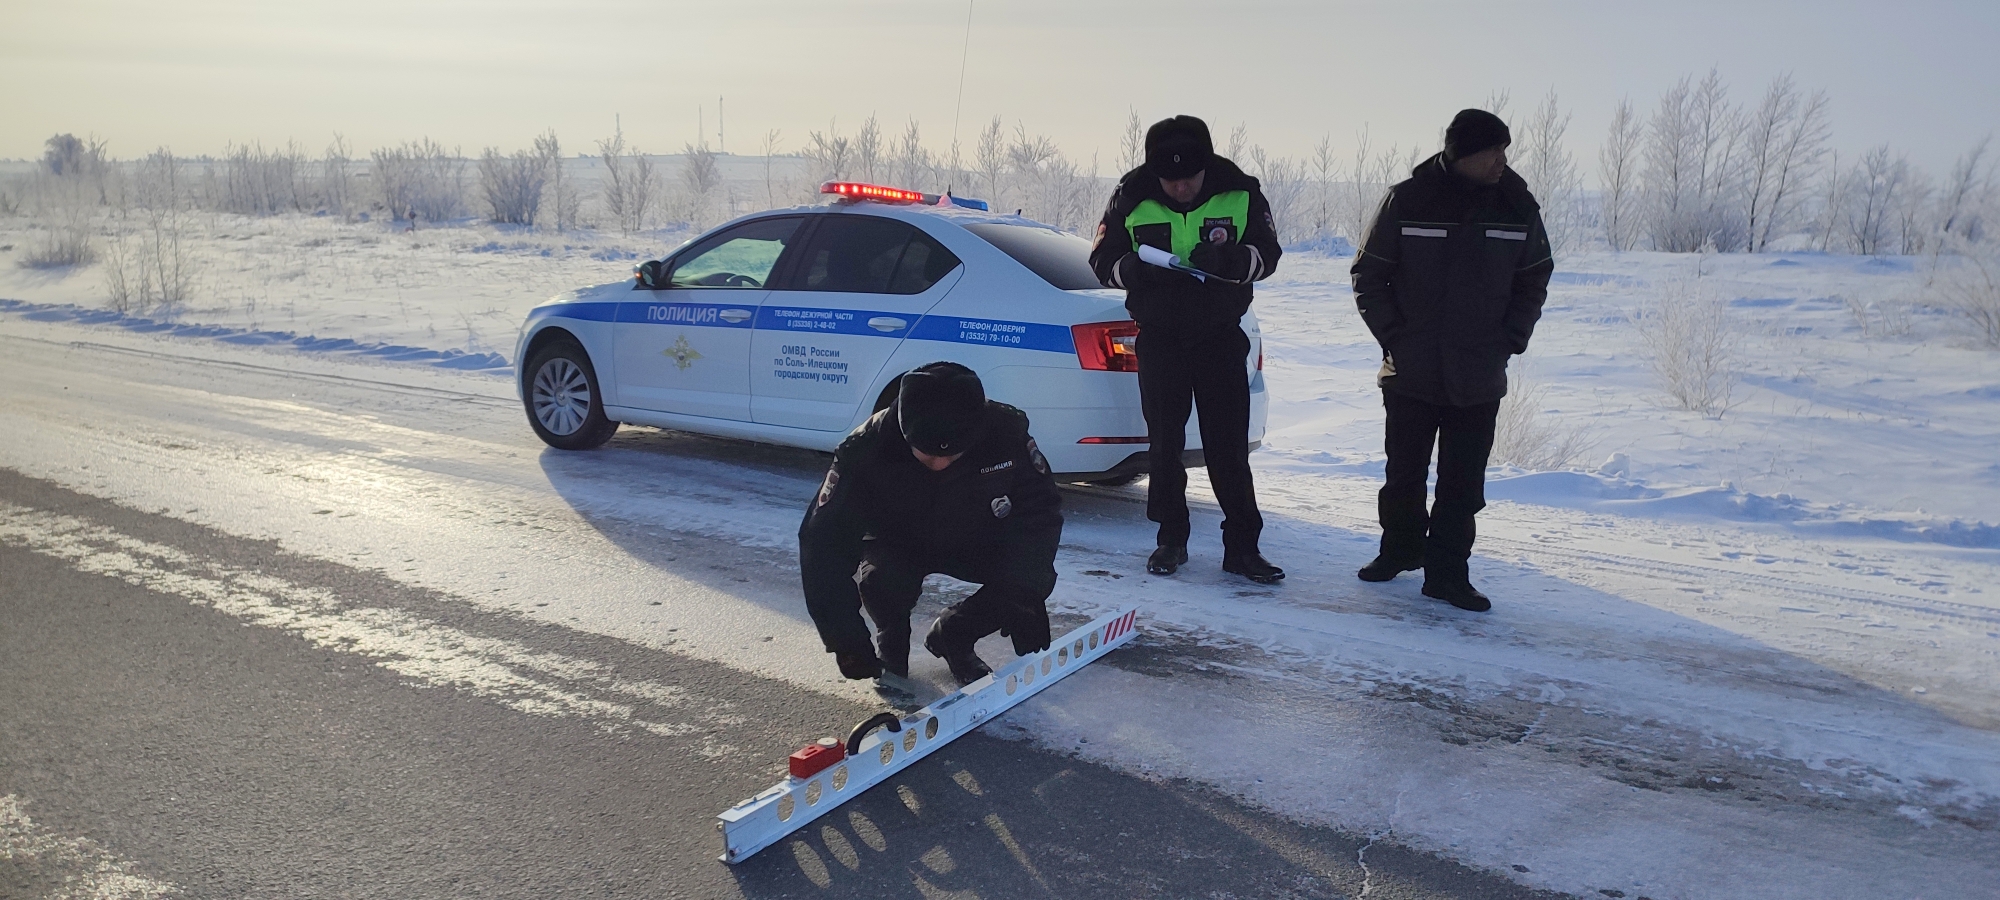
650,275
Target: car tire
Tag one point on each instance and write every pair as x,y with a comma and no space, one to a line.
564,402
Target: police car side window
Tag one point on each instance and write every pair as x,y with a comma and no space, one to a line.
741,257
924,262
852,254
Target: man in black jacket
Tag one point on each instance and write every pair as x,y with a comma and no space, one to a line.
1450,280
942,481
1189,202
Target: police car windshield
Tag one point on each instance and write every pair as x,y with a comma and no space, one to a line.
1061,259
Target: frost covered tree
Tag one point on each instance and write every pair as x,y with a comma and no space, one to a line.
1869,213
1959,203
1131,144
1618,174
989,160
629,186
1542,158
1784,142
829,156
912,163
1693,169
701,186
868,150
512,185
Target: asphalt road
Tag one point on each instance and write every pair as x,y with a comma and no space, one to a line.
195,750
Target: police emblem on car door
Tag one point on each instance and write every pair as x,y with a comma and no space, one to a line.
682,353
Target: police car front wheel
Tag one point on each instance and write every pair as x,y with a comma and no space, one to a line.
564,402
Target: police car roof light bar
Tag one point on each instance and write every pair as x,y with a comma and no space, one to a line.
792,804
856,190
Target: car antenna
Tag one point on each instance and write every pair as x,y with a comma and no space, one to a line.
964,54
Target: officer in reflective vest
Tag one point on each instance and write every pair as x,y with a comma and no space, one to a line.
1188,202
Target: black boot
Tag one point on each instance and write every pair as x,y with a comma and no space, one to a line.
894,651
1383,568
858,666
1167,559
1458,593
1253,566
966,666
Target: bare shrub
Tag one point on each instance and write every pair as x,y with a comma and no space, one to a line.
152,270
64,241
564,201
512,185
261,182
421,180
1526,436
1880,317
1618,171
701,183
629,185
337,180
1968,285
1693,346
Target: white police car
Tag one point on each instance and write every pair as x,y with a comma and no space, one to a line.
791,327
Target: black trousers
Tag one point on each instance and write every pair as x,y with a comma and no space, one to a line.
891,578
1440,538
1179,373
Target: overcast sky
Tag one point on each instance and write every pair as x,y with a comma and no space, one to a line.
196,75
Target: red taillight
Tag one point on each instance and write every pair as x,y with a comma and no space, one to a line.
861,191
1107,346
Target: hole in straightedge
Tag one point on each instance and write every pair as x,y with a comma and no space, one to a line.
812,793
888,751
930,729
840,778
909,739
1013,684
785,808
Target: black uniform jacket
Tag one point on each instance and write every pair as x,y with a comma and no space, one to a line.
1170,302
997,502
1451,280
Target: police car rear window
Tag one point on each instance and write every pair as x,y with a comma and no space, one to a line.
1062,260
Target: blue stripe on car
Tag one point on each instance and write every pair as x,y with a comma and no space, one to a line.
589,312
826,320
822,320
994,333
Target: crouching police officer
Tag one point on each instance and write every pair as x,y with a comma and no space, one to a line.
942,481
1189,202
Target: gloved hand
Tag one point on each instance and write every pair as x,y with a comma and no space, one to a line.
1230,260
1136,273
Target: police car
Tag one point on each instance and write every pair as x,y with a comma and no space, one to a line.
791,327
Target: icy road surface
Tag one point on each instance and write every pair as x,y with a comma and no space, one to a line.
1653,709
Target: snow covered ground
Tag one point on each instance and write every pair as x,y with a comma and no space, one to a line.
1752,656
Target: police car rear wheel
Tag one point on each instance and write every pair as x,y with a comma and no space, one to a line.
564,405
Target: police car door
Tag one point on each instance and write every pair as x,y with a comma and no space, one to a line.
845,303
685,348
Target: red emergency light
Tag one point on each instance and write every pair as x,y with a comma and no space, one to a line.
877,192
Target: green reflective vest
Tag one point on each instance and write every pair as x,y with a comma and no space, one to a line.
1229,211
